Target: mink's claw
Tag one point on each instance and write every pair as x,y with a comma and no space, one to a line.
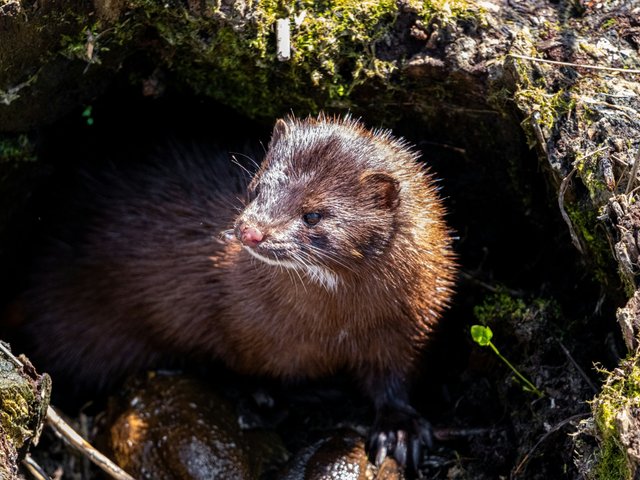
401,434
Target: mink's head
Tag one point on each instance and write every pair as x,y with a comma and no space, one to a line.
325,199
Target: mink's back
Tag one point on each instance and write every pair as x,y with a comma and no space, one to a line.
118,251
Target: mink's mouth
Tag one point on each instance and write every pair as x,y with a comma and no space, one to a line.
280,258
276,257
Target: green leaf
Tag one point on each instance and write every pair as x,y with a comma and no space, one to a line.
481,335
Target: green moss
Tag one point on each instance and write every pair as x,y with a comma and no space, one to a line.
543,108
620,393
541,103
93,39
612,464
498,305
585,222
502,305
333,50
230,55
227,50
448,11
15,149
588,167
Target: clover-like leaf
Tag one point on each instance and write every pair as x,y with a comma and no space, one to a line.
481,335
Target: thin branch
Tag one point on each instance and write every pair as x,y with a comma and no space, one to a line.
575,364
535,124
12,358
73,438
634,172
487,286
579,65
563,188
448,434
34,469
557,427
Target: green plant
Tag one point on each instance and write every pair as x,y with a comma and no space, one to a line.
482,336
88,115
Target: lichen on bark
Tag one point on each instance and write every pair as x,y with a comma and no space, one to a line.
24,397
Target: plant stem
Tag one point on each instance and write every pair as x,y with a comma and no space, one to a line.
529,385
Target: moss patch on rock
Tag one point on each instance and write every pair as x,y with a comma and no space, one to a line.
615,411
230,54
224,51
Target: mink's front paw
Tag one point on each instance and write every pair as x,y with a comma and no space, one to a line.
402,434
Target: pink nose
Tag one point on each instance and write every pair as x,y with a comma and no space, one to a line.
250,236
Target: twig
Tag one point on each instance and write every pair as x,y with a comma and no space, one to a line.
12,358
591,154
535,124
458,150
575,364
491,288
68,434
445,434
73,438
563,188
634,172
557,427
579,65
34,469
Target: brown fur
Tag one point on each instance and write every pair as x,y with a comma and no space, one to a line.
148,274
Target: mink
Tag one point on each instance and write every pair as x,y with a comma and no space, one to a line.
335,256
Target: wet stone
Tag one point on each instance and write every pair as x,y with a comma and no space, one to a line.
340,456
172,427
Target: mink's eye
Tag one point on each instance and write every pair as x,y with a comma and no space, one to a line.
311,218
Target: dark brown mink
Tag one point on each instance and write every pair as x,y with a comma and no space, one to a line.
335,257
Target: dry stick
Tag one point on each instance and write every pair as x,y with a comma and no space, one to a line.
544,437
563,188
34,469
634,172
487,286
64,431
448,434
575,364
579,65
73,438
535,124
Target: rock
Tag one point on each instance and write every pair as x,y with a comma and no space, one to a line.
172,427
340,456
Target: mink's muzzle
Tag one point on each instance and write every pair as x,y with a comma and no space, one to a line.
249,235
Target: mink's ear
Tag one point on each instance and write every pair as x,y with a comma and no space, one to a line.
381,189
280,130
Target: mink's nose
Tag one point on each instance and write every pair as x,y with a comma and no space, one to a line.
249,235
